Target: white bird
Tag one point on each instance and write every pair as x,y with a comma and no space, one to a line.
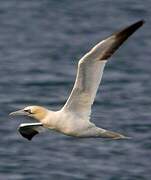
74,118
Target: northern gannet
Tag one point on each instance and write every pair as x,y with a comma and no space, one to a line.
74,118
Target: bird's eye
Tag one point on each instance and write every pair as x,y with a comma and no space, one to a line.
28,111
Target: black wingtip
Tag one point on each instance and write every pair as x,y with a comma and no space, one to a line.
137,24
140,22
27,135
121,36
125,33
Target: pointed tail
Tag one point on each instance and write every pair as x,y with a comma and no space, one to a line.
112,135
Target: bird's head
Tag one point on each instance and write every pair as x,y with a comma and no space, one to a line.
36,112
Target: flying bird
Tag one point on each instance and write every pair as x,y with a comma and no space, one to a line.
74,118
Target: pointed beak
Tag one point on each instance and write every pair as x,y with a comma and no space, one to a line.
19,113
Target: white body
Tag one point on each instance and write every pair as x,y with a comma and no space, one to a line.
69,123
74,118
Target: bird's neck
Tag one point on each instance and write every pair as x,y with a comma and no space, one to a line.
50,119
39,116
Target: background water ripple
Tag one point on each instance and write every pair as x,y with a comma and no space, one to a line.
40,44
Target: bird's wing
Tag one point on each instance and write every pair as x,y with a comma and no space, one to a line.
29,130
90,70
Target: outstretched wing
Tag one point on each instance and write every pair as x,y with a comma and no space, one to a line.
29,130
90,71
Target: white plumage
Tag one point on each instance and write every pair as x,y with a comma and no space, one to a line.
74,118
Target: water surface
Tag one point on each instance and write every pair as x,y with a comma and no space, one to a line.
40,45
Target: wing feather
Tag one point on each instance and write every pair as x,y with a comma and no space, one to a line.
29,130
90,71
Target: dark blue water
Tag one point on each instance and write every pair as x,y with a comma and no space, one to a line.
40,44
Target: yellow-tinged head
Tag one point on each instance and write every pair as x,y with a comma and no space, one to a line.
36,112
